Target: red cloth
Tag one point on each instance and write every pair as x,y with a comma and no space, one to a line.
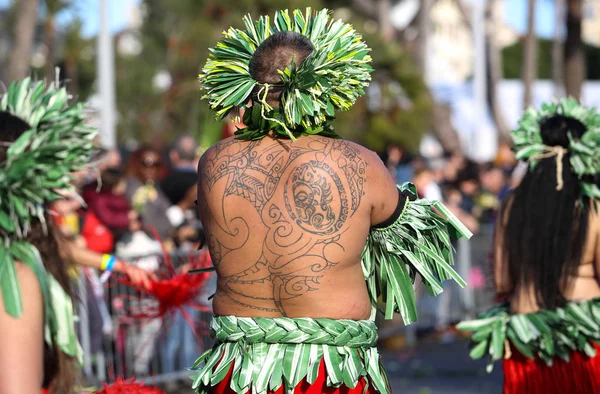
112,210
320,386
97,236
581,375
129,386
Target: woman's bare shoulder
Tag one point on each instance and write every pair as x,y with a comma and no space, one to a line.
22,338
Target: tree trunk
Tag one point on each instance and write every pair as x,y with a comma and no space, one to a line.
443,129
72,70
50,41
366,8
495,74
529,56
384,9
575,68
557,49
424,34
23,33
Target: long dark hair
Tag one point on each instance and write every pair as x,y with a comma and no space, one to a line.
59,368
546,229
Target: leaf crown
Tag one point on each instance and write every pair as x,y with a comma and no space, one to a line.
332,78
41,160
584,153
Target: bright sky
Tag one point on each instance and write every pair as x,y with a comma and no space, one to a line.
88,10
515,13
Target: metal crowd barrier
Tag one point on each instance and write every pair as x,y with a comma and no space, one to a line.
154,350
160,350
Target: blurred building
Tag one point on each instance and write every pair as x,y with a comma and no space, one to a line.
450,60
450,48
591,23
511,95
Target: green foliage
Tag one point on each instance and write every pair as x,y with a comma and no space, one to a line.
402,124
417,243
276,354
584,154
331,78
513,60
175,37
40,161
54,7
37,164
547,334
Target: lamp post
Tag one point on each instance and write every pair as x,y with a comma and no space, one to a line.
106,79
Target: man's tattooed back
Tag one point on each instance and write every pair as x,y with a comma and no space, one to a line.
286,223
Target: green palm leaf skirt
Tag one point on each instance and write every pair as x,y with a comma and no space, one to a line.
545,335
265,354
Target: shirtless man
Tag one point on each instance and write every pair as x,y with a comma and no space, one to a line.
287,223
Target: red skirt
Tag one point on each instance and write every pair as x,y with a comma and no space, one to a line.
581,375
318,387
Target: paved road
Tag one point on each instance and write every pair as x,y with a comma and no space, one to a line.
433,368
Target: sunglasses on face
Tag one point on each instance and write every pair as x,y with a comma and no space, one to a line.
113,171
150,163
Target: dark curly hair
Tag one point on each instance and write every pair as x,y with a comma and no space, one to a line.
274,54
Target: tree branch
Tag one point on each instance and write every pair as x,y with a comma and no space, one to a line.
366,7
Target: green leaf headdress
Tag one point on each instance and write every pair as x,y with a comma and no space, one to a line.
333,76
584,153
37,164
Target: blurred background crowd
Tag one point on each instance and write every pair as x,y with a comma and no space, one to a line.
139,206
451,79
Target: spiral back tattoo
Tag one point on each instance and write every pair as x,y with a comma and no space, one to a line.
301,197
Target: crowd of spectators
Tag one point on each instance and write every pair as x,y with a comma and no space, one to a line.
474,193
137,206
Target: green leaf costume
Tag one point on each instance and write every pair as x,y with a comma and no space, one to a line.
38,164
584,153
265,354
546,334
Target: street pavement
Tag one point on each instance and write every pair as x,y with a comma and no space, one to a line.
435,368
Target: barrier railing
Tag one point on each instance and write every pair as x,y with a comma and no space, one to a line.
155,349
159,350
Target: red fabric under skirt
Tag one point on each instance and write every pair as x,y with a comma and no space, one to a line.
581,375
320,386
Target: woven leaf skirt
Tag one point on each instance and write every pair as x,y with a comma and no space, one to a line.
283,355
